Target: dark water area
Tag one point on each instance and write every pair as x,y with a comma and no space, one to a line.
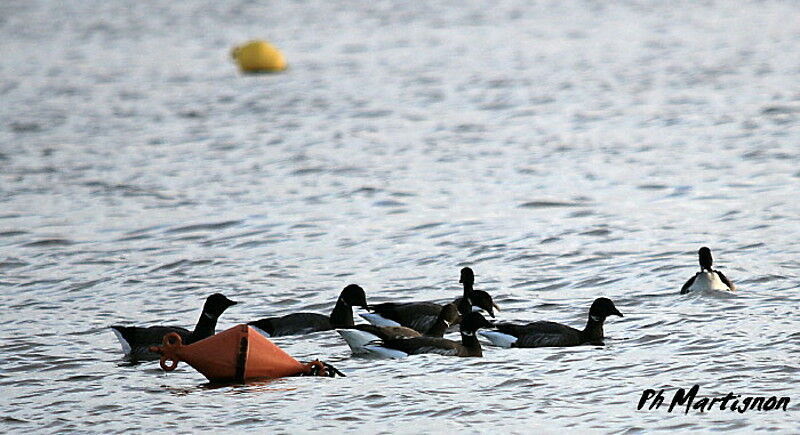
563,150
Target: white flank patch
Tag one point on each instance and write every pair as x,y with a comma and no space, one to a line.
378,320
498,338
126,347
357,340
385,352
477,309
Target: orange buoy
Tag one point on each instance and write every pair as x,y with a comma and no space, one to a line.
235,355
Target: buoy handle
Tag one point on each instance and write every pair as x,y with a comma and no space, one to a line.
168,367
171,343
173,339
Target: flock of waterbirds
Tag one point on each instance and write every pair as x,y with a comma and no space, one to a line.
399,329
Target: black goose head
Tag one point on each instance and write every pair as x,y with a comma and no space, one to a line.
216,304
705,259
467,276
473,322
602,308
449,314
481,299
354,295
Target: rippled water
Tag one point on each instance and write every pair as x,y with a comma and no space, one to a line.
564,150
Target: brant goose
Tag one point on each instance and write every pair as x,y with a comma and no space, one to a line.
402,347
707,278
551,334
359,336
305,323
420,316
136,340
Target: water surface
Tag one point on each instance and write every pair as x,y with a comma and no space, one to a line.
563,150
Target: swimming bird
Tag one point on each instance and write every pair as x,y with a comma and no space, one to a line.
359,336
707,278
136,340
469,346
420,316
306,323
551,334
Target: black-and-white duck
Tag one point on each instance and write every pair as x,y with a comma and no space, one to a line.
707,278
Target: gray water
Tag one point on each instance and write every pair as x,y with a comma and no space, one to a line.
563,150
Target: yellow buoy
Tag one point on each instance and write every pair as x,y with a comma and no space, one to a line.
258,56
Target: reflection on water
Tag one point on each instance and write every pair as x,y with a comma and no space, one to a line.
564,151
